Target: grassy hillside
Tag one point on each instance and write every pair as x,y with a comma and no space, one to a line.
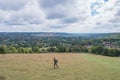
72,67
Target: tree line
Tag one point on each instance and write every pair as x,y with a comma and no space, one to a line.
61,49
99,50
105,51
103,44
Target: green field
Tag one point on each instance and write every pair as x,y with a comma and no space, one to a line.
72,67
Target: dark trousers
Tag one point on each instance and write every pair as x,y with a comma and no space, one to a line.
55,65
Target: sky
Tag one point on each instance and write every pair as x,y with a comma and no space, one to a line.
71,16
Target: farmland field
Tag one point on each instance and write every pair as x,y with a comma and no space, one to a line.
71,67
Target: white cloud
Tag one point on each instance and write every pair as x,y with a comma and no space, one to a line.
60,15
12,4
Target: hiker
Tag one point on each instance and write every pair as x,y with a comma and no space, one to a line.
55,63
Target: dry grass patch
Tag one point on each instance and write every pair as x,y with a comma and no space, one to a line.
72,67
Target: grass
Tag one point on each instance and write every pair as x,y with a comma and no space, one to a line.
72,67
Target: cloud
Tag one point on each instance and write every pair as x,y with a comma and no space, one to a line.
55,8
70,20
106,0
60,15
118,13
115,21
12,5
29,14
64,8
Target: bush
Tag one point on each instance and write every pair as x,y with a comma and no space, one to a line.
3,50
104,51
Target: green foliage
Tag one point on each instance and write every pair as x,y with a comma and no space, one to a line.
24,50
33,43
3,50
85,50
61,49
76,49
104,51
97,49
12,50
36,49
52,49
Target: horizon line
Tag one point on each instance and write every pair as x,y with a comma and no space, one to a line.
62,32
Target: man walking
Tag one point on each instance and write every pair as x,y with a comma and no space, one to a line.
55,63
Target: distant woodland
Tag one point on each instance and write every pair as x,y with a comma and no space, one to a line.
107,44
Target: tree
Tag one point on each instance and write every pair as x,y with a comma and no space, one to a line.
85,50
3,50
75,49
105,51
61,49
36,49
11,50
97,49
51,49
70,49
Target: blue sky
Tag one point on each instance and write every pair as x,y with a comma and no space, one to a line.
73,16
